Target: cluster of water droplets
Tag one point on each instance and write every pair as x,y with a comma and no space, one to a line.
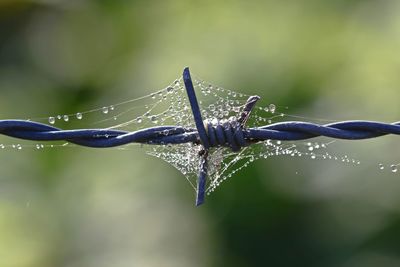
78,116
392,167
271,148
39,146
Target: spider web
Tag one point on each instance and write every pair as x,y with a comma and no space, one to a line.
169,106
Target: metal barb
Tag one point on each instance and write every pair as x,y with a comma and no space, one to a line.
202,180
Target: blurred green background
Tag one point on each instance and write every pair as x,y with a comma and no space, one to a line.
85,207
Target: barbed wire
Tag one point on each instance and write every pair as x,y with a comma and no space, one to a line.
231,133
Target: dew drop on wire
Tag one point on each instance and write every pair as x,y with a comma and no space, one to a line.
104,110
393,167
66,118
266,109
52,120
59,117
381,166
139,120
79,116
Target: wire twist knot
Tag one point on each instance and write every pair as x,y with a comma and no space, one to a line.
228,133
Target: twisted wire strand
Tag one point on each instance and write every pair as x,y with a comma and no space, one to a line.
230,133
289,131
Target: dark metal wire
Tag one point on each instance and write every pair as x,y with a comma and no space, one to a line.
231,133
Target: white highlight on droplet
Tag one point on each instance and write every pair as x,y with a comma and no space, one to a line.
393,168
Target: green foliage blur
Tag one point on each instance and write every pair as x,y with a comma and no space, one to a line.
81,207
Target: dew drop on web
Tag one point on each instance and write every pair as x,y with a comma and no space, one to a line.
272,108
393,168
52,120
153,119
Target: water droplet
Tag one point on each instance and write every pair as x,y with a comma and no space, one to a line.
153,119
2,146
38,146
104,110
79,116
112,108
170,89
236,109
59,117
266,109
393,167
153,96
272,108
19,147
52,120
65,118
313,156
381,166
139,119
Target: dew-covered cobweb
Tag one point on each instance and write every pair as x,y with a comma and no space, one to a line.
170,106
